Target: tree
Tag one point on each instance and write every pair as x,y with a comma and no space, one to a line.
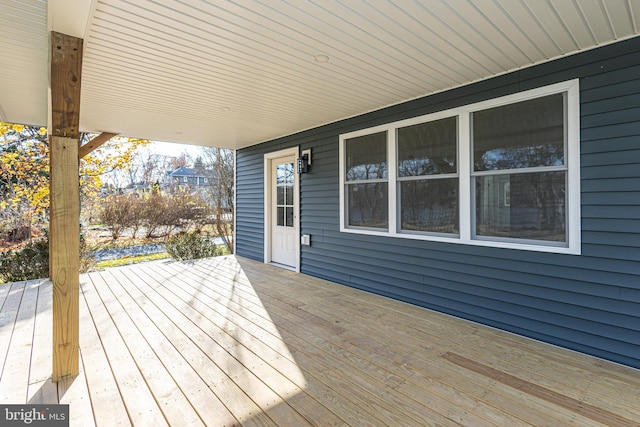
146,168
24,178
221,163
182,161
24,172
198,163
118,154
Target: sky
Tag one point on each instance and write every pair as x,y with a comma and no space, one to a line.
173,149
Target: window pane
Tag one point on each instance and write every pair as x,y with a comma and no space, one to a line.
523,206
522,135
366,157
428,148
368,205
430,205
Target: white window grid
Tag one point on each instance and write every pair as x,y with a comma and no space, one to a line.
465,174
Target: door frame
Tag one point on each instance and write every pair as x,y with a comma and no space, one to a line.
268,200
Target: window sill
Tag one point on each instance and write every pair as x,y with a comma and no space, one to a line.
568,250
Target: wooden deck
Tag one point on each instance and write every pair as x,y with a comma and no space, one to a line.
229,341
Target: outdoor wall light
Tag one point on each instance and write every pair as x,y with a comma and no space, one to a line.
303,163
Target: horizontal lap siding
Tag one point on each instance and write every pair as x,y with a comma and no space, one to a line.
589,303
249,204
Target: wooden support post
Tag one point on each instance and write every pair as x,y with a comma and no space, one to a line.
64,221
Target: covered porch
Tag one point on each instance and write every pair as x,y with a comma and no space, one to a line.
230,341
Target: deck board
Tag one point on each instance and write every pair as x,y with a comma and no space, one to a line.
426,367
374,357
228,341
265,385
548,366
111,409
157,329
142,342
141,406
15,373
210,359
8,315
41,389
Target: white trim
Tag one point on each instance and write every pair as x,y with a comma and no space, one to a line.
268,157
392,171
465,172
341,166
464,178
574,238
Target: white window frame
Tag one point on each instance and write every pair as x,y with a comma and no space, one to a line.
573,222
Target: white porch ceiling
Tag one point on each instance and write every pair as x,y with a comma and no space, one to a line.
236,73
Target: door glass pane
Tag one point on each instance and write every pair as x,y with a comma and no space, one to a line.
430,205
285,178
284,173
289,173
526,134
280,195
280,215
428,148
280,174
289,217
525,206
368,205
289,194
366,157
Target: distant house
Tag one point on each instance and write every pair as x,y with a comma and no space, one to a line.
137,189
188,177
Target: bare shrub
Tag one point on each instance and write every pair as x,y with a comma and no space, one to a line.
116,214
190,209
137,214
153,212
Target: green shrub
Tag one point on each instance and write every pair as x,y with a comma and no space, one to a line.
87,259
30,262
184,246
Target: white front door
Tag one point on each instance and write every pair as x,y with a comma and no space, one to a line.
283,211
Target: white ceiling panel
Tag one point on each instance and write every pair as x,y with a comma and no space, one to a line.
236,73
23,74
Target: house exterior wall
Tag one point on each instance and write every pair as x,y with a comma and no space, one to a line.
588,302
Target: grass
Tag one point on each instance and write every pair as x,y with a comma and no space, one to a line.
130,260
96,244
222,250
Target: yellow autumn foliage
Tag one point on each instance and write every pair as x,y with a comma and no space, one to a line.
24,167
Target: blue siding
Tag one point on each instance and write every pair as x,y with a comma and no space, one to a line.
590,303
250,204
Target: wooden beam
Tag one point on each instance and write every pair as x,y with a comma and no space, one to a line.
95,143
64,221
